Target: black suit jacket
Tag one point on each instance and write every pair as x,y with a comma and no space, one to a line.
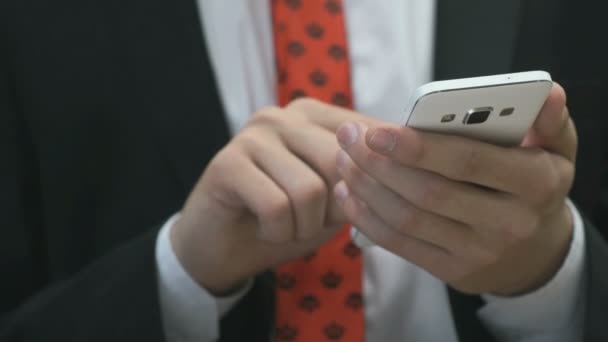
109,113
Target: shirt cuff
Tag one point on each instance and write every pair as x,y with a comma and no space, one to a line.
551,313
189,312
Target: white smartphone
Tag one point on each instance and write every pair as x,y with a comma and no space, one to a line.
496,109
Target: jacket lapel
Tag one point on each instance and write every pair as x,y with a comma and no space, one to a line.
176,90
475,37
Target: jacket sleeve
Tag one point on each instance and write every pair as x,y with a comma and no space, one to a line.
114,299
597,286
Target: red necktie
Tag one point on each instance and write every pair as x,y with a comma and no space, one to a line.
318,297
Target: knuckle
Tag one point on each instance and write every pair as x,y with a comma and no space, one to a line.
269,115
222,160
249,141
275,208
552,179
517,231
309,191
550,185
226,161
565,173
303,103
267,110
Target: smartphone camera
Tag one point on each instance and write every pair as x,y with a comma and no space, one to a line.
477,115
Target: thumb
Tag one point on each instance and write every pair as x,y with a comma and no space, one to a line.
553,129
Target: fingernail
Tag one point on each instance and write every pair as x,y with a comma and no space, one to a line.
382,140
341,192
341,159
347,134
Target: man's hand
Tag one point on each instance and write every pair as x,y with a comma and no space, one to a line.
483,218
265,198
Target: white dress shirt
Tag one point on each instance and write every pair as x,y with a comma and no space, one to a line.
402,301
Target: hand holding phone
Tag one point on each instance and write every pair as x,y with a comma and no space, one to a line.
496,109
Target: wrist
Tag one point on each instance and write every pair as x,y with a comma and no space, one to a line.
548,253
206,260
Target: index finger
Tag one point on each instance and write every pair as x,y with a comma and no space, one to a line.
327,116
